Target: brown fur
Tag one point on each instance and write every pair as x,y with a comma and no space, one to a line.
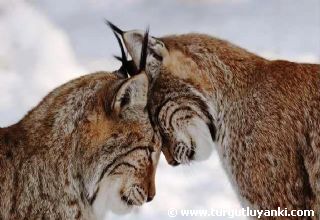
266,116
55,161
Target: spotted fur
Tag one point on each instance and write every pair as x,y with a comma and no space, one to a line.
263,116
86,148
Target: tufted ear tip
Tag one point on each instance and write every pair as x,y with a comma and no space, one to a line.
114,27
129,68
146,51
124,70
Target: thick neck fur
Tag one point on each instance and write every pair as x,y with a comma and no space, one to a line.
223,72
218,66
264,113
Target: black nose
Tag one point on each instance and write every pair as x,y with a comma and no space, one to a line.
150,198
174,163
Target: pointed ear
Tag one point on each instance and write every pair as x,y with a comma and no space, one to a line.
134,40
132,93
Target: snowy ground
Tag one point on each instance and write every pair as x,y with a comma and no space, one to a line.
45,43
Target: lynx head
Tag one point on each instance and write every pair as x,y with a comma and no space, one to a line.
100,126
176,100
127,143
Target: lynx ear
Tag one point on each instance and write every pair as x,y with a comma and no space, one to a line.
156,50
132,93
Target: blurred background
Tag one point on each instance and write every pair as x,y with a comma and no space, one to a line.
44,43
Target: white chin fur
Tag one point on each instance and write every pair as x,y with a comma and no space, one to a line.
200,134
108,199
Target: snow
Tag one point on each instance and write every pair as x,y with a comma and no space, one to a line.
45,43
35,57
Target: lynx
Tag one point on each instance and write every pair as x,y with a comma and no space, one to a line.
86,148
262,116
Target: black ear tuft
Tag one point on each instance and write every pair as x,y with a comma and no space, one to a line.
132,68
144,51
114,28
123,69
127,67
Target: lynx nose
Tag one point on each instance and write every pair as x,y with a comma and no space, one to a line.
151,189
169,156
150,198
151,194
174,163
